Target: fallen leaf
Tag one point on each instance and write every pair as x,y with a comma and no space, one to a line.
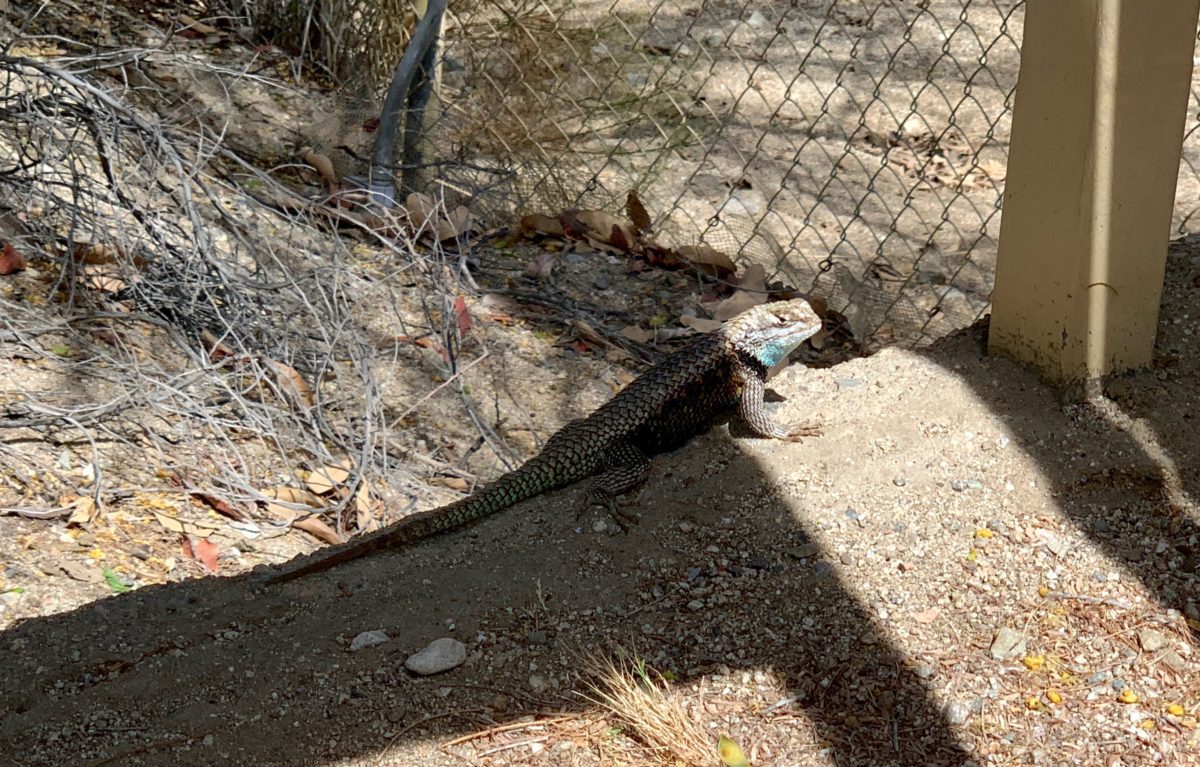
324,480
317,528
754,279
322,164
295,495
364,508
589,334
709,260
736,304
454,483
197,26
78,570
604,227
927,616
456,223
637,334
222,507
637,213
11,261
699,323
84,511
292,386
201,550
462,315
538,224
421,209
216,348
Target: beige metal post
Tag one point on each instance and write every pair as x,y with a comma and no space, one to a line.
1097,132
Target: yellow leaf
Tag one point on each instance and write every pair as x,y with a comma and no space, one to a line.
1146,724
1128,696
1175,709
1053,696
1033,704
731,753
983,532
1043,591
1034,662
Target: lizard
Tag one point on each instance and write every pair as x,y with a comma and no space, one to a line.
723,370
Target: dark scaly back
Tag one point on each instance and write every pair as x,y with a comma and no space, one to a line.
671,403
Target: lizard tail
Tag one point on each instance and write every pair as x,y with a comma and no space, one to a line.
529,480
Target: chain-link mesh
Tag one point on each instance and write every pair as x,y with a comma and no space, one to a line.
857,150
1187,186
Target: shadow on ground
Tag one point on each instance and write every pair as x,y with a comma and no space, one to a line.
221,670
264,676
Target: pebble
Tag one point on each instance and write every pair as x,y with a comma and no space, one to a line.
536,638
696,605
804,552
602,282
1151,640
686,527
957,712
757,20
959,485
1008,644
848,383
900,480
438,656
368,639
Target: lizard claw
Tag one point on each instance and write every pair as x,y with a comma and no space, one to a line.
801,429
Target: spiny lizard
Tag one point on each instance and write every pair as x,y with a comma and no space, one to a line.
659,411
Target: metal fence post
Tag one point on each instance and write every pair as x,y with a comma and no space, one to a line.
1097,134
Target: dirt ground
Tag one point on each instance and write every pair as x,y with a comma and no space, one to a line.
831,602
963,570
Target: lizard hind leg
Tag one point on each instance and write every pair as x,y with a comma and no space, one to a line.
625,470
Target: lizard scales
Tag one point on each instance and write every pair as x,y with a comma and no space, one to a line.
657,412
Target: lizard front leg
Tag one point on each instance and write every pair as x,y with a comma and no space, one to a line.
752,410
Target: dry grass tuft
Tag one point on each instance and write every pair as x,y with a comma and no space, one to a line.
642,702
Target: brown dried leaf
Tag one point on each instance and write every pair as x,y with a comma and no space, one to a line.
538,224
457,223
317,528
736,304
296,495
282,512
589,334
462,315
216,348
637,334
222,507
754,280
708,260
322,164
84,511
699,323
292,386
421,208
454,483
11,261
637,213
324,480
206,553
601,226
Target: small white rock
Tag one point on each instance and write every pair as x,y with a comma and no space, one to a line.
440,655
368,639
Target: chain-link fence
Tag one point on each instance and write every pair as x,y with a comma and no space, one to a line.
857,149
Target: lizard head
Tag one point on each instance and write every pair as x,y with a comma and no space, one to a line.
770,332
